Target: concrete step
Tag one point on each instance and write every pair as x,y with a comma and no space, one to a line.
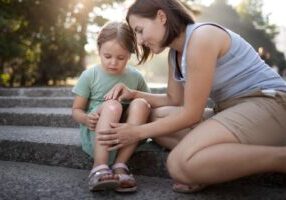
52,91
61,147
57,97
33,182
48,102
54,117
37,92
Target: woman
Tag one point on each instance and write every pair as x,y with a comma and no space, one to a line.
206,60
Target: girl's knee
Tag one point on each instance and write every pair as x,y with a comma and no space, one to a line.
140,104
112,106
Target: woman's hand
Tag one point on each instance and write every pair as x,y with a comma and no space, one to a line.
121,134
91,120
119,92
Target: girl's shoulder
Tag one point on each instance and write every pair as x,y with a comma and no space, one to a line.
89,69
90,73
93,70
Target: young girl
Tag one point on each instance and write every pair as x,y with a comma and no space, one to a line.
94,112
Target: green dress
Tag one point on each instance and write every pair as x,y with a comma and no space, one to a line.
93,84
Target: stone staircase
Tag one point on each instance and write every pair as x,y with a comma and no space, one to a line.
36,127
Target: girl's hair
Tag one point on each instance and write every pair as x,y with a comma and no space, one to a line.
121,32
178,17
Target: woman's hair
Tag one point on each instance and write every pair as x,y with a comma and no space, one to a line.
178,17
121,32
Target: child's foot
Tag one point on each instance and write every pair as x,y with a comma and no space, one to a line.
182,188
127,182
102,178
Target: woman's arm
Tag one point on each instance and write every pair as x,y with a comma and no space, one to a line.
207,44
173,97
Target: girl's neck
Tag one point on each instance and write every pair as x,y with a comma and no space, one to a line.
178,43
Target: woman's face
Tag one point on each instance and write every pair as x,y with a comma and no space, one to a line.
149,32
113,57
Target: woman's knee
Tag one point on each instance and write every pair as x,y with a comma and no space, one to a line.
167,142
162,112
112,106
180,168
155,114
160,140
139,104
174,165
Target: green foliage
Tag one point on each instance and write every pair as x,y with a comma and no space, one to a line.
251,12
4,79
265,32
248,21
42,41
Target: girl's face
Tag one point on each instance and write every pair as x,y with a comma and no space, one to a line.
113,57
149,32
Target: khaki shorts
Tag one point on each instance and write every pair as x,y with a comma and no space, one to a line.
258,118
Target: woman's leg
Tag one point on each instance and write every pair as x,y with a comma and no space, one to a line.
137,113
210,154
110,111
170,141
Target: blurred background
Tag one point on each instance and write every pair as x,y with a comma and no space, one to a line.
50,42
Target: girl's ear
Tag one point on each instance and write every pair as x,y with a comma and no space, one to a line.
162,16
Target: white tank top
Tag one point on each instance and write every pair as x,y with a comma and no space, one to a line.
239,72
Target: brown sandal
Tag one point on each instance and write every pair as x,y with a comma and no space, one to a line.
127,182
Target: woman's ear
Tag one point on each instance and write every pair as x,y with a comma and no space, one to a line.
162,16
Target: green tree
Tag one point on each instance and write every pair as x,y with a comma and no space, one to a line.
263,33
248,21
251,11
10,25
44,40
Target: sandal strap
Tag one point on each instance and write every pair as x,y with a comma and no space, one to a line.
126,177
97,170
120,165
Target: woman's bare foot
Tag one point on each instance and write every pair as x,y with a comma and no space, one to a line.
183,188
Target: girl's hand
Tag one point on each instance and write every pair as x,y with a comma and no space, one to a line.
119,92
118,136
91,120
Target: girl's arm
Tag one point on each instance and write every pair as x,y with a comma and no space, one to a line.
79,114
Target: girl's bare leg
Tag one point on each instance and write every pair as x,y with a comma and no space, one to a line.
110,112
137,114
210,154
